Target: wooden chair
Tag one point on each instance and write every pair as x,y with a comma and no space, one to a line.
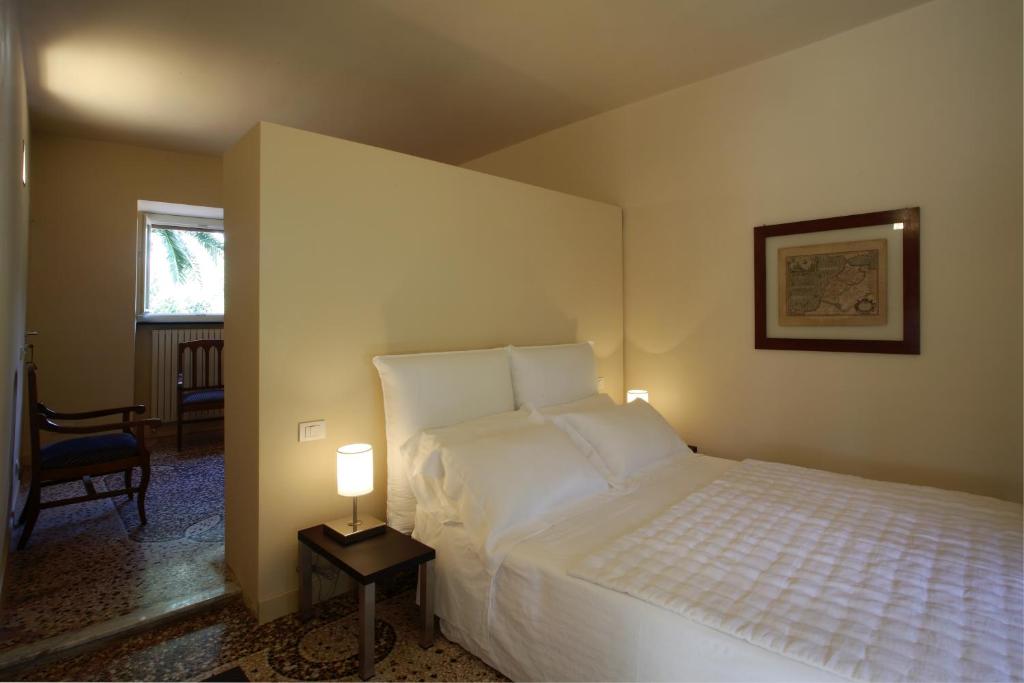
204,389
84,457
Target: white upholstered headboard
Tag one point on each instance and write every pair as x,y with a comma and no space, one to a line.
433,390
427,390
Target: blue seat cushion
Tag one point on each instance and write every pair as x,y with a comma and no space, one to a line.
87,450
203,396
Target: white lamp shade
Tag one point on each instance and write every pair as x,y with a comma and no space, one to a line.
355,469
634,394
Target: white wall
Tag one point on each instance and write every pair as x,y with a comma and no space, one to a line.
919,109
13,256
348,251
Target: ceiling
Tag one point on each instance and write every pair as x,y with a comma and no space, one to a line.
449,80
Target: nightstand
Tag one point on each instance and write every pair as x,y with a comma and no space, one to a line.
366,561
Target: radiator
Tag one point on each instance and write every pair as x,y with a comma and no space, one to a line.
164,380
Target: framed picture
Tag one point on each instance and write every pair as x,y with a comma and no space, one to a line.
849,283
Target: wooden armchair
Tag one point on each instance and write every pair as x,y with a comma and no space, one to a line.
201,383
108,448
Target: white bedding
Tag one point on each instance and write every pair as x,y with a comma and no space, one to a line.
868,580
532,621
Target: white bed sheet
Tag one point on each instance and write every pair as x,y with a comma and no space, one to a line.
532,621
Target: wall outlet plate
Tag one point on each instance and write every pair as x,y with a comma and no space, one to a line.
313,430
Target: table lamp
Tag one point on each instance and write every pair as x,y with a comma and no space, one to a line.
634,394
355,478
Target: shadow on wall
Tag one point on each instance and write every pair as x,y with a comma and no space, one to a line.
482,322
810,409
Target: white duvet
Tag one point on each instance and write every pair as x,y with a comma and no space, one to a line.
867,580
532,621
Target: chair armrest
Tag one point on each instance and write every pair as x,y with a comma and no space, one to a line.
52,426
125,410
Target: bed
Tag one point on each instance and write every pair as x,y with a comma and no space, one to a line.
865,580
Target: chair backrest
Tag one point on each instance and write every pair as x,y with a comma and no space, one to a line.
200,363
34,411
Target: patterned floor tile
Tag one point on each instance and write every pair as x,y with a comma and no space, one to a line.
91,562
228,639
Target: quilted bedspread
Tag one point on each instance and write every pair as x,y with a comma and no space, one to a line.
869,580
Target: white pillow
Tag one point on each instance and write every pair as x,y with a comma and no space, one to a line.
548,375
422,454
508,484
431,390
623,439
595,402
584,405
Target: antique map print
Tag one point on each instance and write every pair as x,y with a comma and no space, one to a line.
843,283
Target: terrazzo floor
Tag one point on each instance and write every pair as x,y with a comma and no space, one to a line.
227,644
92,562
87,564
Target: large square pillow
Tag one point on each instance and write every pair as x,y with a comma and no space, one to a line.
511,483
623,439
590,403
423,462
427,390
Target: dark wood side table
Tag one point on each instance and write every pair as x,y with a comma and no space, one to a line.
366,561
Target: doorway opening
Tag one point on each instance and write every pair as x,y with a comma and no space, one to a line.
95,569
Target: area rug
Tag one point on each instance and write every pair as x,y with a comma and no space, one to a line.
92,562
185,497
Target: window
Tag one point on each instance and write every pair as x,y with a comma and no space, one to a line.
184,268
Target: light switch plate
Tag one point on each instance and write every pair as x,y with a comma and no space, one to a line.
313,430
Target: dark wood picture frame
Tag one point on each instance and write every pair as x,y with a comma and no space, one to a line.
911,342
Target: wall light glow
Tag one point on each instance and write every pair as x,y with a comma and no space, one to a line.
637,394
24,164
97,79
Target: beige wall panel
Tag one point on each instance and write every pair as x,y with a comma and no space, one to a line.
365,251
241,362
919,109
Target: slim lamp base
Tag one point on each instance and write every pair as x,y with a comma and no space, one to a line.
344,531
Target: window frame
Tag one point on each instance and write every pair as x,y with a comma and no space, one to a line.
146,222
